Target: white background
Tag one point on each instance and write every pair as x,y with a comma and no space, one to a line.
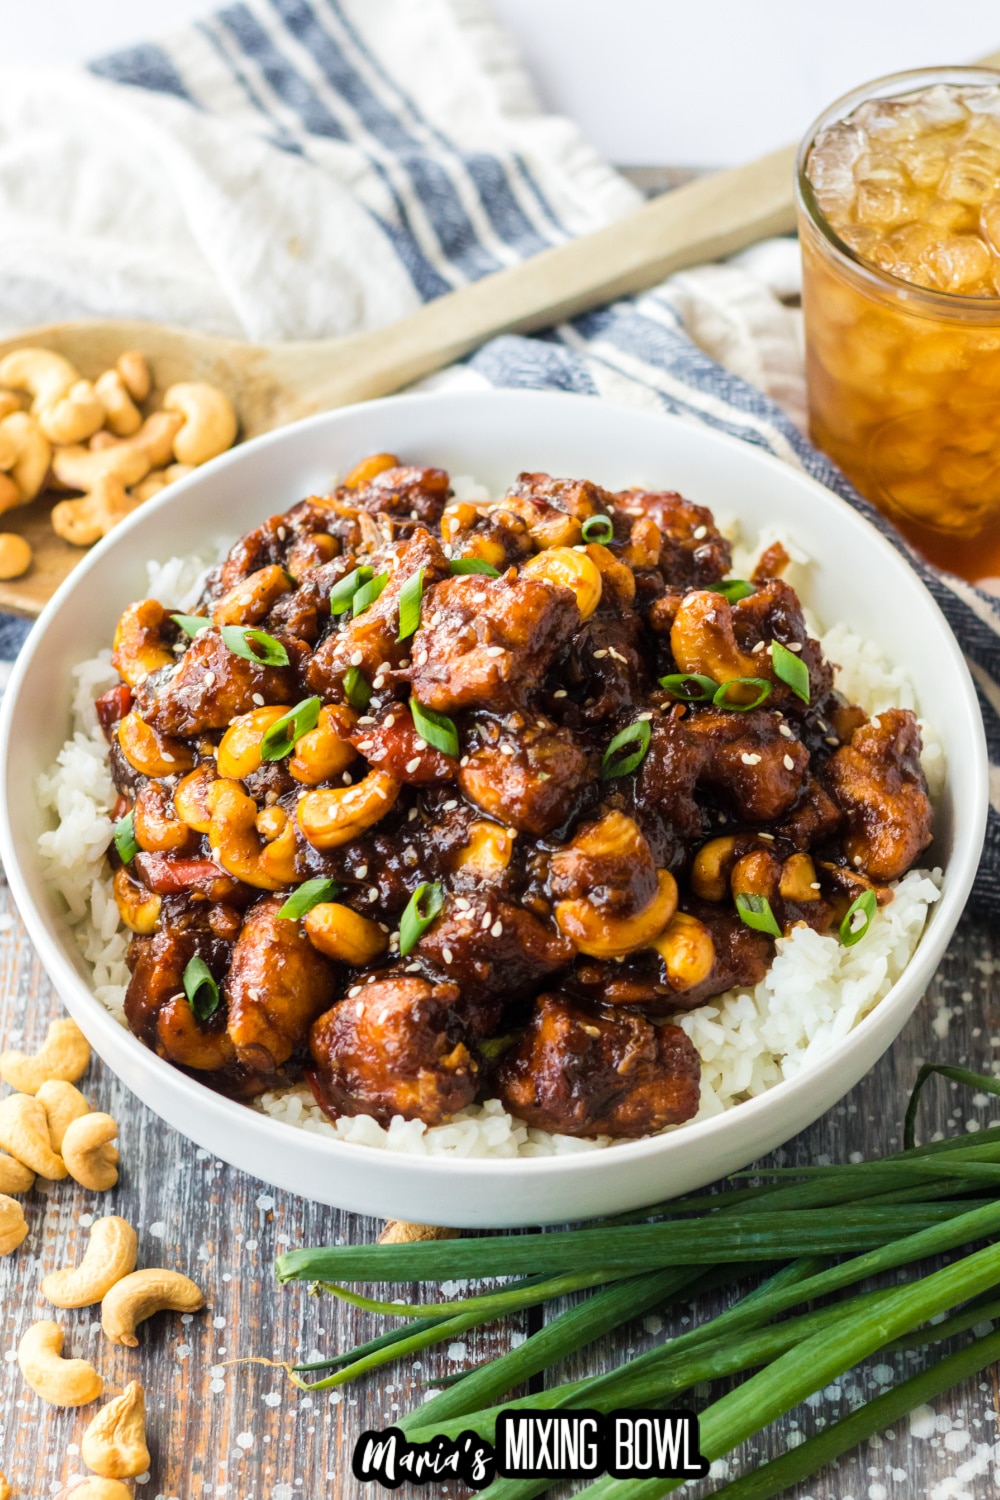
657,82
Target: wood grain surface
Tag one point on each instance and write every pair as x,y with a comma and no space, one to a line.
239,1431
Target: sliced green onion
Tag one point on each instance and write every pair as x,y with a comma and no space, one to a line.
192,625
356,688
437,729
343,593
852,932
280,739
756,912
201,989
732,589
242,639
721,698
461,565
690,687
638,735
414,922
598,529
791,669
125,838
410,596
368,593
309,894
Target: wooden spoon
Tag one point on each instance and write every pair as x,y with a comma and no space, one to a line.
273,384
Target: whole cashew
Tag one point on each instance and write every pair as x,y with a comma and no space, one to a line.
87,1151
60,1382
602,935
703,640
158,479
16,555
45,375
27,455
233,838
119,411
82,468
134,370
15,1177
140,1295
74,417
97,1489
13,1225
331,818
138,643
210,423
114,1445
110,1254
24,1132
84,521
402,1232
571,570
64,1054
62,1104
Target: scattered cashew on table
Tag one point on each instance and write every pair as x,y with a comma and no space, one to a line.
98,438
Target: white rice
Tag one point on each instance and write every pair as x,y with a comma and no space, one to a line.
749,1039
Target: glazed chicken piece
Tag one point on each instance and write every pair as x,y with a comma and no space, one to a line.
390,741
403,491
528,776
608,863
693,551
814,819
210,687
277,984
596,1070
485,642
878,782
665,784
268,544
748,760
393,1046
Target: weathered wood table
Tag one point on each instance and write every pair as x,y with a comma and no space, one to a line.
219,1428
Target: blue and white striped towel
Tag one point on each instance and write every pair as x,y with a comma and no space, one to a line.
301,168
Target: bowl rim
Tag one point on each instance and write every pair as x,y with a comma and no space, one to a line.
942,917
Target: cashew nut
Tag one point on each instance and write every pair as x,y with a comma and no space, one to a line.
570,570
97,1489
712,867
13,1225
239,748
601,935
402,1232
191,797
798,879
60,1382
138,644
110,1254
74,417
134,370
45,375
15,1177
24,1132
209,421
324,752
64,1054
128,459
84,521
235,843
687,950
120,412
331,818
702,640
138,907
488,852
140,1295
250,599
16,555
150,752
87,1151
343,934
158,479
114,1445
756,874
62,1104
368,468
26,455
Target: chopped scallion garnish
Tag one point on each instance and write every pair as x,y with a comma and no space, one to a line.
410,596
598,529
638,736
201,989
791,669
414,921
461,565
191,625
280,738
356,688
309,894
858,918
368,593
254,645
437,729
690,687
342,594
733,589
721,699
125,841
756,912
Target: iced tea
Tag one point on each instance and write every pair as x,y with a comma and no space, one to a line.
899,217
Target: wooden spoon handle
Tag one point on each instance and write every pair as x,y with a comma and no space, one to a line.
704,220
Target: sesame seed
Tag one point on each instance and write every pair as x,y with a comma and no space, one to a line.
508,750
795,645
463,903
599,654
421,658
411,766
403,664
361,871
411,968
876,722
257,698
388,721
831,739
617,655
487,919
464,761
593,1031
760,646
750,759
449,806
366,719
359,1009
788,763
699,532
447,955
420,744
497,928
814,885
365,745
644,717
354,990
857,859
768,836
281,534
168,758
208,679
784,729
414,812
494,650
559,693
346,779
357,658
372,893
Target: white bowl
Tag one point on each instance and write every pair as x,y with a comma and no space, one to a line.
857,577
